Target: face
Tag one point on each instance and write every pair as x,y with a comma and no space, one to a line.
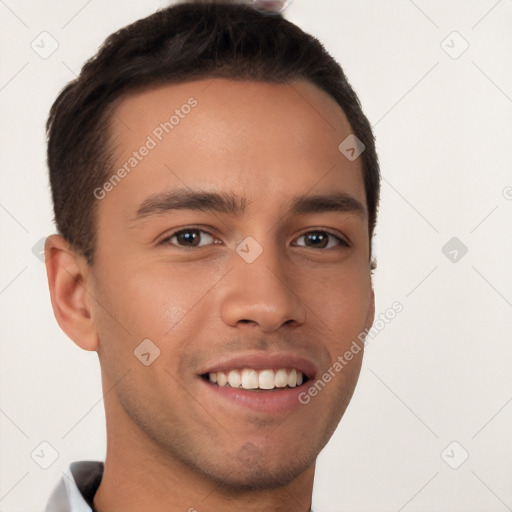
237,243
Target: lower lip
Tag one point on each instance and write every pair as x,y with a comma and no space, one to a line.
276,401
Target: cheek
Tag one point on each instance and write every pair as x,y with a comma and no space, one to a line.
151,300
342,300
154,302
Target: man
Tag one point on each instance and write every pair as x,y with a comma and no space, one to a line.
215,188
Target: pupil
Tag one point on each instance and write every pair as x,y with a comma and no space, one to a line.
317,236
189,236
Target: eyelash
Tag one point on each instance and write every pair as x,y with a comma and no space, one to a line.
166,240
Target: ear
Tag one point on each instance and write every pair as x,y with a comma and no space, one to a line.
67,274
371,311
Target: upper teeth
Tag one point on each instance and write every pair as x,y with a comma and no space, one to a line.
257,379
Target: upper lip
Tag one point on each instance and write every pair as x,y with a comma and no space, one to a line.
261,361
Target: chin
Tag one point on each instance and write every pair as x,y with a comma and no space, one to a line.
261,476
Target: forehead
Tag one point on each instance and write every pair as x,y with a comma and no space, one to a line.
254,139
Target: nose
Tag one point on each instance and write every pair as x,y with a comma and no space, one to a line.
262,292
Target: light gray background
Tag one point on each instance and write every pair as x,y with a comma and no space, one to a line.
438,373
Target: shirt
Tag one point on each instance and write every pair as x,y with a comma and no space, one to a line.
76,489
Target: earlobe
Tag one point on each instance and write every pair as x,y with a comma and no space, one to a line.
67,274
371,311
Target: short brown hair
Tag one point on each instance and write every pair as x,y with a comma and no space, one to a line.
187,41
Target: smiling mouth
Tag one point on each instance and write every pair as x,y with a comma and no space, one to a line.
257,380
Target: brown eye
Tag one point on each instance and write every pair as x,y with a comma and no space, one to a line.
190,237
321,240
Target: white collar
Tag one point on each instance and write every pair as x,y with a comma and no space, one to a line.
77,485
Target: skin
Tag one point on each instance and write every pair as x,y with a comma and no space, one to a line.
168,446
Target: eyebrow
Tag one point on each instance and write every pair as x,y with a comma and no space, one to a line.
230,204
